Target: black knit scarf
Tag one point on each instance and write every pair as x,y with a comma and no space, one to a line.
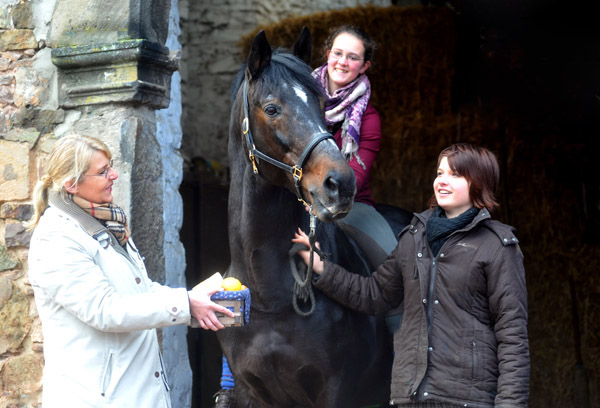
439,227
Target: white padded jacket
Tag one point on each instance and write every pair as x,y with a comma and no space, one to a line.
99,311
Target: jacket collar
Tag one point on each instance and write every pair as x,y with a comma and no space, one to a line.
89,224
482,215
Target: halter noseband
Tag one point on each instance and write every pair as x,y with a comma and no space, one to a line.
254,154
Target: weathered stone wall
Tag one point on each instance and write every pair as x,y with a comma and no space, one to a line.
211,58
21,144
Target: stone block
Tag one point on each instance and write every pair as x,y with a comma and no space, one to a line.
4,18
46,144
6,94
8,79
29,136
22,375
16,211
15,320
15,235
22,16
30,87
126,71
104,21
5,290
6,261
4,63
37,336
11,40
14,171
40,119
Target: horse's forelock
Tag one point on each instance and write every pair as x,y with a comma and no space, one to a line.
284,67
289,68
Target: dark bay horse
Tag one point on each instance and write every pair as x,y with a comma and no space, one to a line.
280,153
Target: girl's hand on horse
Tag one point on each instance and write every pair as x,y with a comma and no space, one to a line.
301,238
203,309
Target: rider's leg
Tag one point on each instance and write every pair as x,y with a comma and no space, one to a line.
363,223
374,231
223,396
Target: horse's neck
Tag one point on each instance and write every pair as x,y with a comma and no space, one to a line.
260,207
261,217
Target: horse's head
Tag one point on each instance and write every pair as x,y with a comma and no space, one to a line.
283,128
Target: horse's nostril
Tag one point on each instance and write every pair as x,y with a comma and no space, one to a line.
332,186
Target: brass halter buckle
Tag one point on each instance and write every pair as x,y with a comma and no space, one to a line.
253,160
297,173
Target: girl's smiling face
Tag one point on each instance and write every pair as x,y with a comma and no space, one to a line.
451,190
345,61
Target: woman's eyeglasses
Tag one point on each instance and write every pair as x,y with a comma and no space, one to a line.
338,55
103,173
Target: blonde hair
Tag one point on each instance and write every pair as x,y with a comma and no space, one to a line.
67,163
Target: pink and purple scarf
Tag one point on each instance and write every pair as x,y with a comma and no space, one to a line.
347,105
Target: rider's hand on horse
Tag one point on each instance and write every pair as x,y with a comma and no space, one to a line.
301,238
203,309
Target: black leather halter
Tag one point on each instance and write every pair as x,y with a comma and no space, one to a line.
254,154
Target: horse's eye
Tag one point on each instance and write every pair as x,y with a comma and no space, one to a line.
271,110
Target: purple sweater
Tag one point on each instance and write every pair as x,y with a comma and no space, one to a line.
370,139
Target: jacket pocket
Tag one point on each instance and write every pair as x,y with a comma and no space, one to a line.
106,373
476,356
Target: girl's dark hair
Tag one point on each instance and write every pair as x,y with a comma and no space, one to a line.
359,33
480,167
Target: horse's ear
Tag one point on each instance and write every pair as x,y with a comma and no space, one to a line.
260,54
303,45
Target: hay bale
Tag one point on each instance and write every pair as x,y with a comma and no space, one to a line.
413,65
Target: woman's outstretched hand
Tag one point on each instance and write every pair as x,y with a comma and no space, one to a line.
301,238
203,309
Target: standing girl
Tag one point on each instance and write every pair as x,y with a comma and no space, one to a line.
463,339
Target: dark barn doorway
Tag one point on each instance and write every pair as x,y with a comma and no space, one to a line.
204,236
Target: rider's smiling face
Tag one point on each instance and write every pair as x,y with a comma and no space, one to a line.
345,61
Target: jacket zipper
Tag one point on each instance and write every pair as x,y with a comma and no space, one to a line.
432,276
162,372
106,375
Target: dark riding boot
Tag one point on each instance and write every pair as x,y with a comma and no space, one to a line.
223,398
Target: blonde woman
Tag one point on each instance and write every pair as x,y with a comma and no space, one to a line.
98,308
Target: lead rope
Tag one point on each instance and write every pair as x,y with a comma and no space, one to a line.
303,289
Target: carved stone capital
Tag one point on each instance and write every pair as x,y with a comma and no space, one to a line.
136,71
